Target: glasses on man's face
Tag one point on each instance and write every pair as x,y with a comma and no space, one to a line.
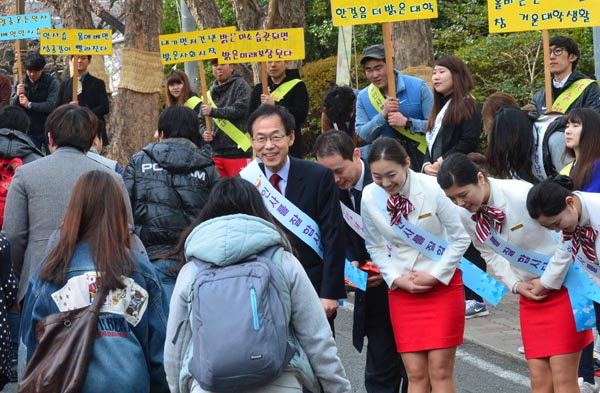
556,51
275,139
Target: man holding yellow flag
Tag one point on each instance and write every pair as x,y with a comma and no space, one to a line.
403,118
570,89
228,109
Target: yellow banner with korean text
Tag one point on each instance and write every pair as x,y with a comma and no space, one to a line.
358,12
523,15
75,42
191,46
262,46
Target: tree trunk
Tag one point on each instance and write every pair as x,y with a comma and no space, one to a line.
412,43
73,14
135,115
205,13
285,13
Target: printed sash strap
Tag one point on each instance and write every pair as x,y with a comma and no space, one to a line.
242,139
284,211
582,290
192,102
398,206
568,97
294,219
377,100
583,237
434,247
486,218
284,88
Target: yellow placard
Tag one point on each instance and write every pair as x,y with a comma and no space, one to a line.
191,46
358,12
521,15
262,45
75,42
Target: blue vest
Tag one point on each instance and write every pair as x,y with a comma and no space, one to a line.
409,98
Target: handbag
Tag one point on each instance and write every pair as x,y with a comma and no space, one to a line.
66,340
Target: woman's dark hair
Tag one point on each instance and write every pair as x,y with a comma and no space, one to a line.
492,105
35,62
72,125
97,215
180,122
463,106
389,149
228,196
510,145
339,106
176,77
458,170
589,145
266,110
547,198
14,118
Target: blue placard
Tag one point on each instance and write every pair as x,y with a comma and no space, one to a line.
356,277
25,26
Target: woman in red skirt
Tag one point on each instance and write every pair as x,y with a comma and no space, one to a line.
426,297
494,213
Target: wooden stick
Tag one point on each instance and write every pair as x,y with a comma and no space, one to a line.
204,93
547,75
388,45
18,60
264,76
75,77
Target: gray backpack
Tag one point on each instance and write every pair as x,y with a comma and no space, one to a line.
239,329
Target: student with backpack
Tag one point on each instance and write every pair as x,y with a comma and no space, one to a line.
228,332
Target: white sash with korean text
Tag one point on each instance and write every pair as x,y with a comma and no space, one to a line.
284,211
581,288
434,247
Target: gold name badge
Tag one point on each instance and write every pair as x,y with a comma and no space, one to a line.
424,215
516,227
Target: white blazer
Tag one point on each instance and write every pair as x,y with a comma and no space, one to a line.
591,214
433,213
520,230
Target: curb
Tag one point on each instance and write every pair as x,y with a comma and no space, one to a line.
513,355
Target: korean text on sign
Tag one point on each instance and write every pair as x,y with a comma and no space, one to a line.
22,27
358,12
75,42
262,46
191,46
521,15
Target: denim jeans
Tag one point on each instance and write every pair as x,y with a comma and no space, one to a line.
165,269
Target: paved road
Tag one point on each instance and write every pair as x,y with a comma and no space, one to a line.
478,370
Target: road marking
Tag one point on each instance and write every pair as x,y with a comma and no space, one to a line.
492,368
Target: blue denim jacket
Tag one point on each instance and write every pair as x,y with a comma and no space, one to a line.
126,357
416,102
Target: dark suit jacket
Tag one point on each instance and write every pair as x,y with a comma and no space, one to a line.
457,138
312,189
370,306
93,95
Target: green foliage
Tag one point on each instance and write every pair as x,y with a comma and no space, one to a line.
171,25
459,24
319,77
227,12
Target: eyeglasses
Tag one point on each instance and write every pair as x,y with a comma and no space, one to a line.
261,140
556,51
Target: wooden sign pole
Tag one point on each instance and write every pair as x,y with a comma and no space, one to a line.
264,76
18,60
548,76
75,76
388,45
204,93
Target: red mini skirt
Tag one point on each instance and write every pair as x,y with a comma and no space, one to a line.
431,320
548,326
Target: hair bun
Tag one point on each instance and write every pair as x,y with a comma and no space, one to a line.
564,181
